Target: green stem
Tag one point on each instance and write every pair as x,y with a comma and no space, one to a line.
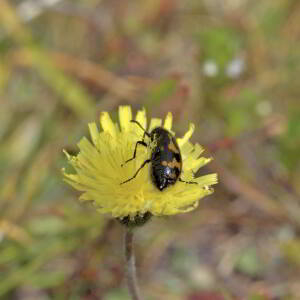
130,266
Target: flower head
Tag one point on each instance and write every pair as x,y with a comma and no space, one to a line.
99,173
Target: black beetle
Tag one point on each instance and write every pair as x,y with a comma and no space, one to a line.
166,161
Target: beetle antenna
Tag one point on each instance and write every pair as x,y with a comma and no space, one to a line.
136,122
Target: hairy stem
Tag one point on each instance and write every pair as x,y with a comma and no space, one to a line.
130,266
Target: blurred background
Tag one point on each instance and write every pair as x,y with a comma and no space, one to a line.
232,67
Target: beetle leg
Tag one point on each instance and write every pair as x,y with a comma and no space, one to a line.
142,166
134,153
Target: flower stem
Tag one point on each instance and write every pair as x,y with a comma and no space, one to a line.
130,265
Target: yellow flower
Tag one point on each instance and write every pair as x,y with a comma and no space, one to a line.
99,173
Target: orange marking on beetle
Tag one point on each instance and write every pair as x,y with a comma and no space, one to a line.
172,147
164,163
171,164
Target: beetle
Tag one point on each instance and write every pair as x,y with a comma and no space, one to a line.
166,160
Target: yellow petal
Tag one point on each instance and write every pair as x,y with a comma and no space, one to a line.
190,159
196,164
187,136
207,180
197,151
94,132
141,118
125,116
107,124
186,149
168,121
72,180
155,122
85,146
